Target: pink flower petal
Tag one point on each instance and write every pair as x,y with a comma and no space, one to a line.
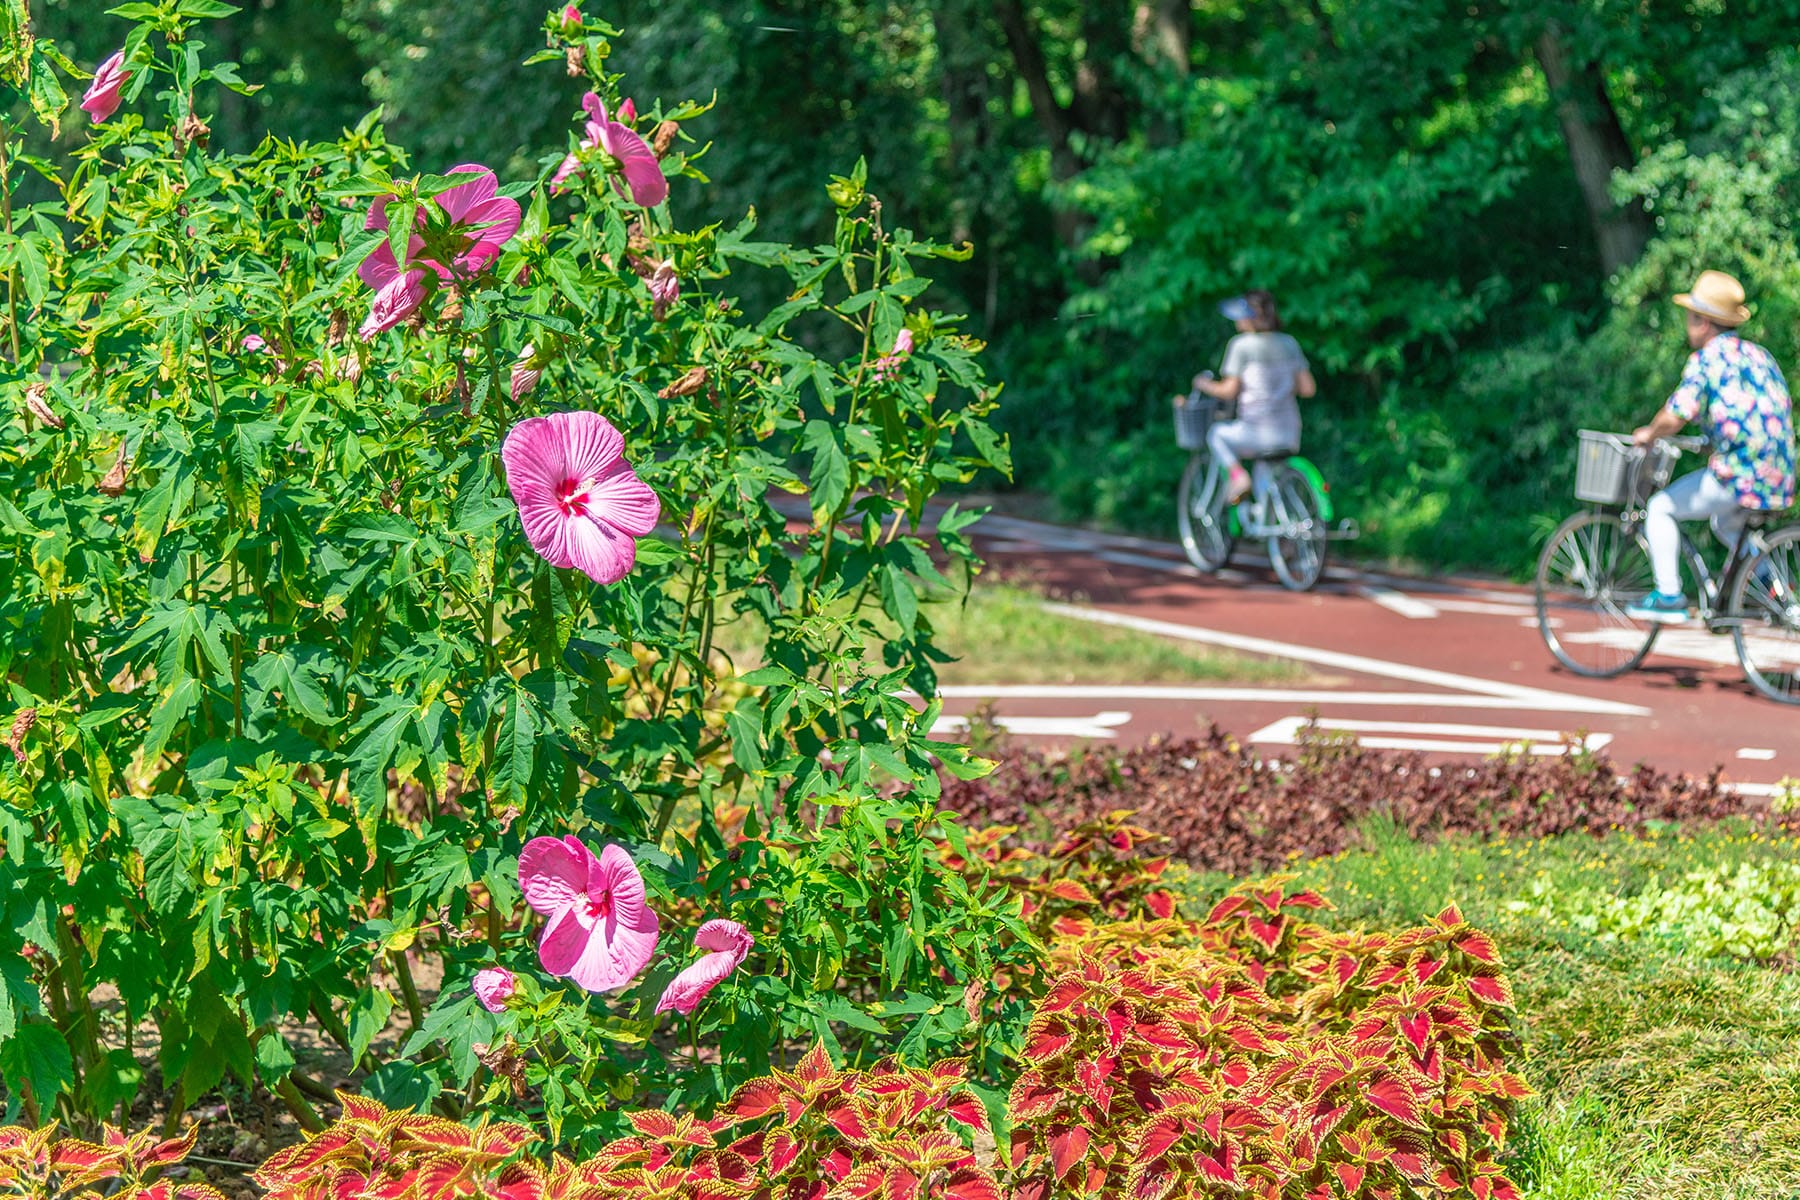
551,875
457,201
565,940
627,502
729,943
603,554
592,445
569,166
396,301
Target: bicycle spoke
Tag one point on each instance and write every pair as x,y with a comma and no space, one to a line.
1588,575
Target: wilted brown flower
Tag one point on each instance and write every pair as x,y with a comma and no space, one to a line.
114,482
191,130
505,1062
340,325
576,59
664,137
36,400
21,725
687,385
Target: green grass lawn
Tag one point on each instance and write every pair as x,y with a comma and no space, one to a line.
1003,634
1666,1068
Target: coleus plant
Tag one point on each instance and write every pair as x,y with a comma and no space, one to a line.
38,1165
814,1132
1267,1056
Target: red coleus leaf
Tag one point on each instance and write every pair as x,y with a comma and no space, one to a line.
848,1121
816,1066
1426,967
1413,1166
1222,1167
1067,1146
970,1112
1118,1018
1032,1098
1345,969
1351,1176
1492,988
1160,904
1152,1180
1451,916
754,1099
1393,1097
1306,899
1225,909
1481,948
1269,898
171,1150
1417,1030
1072,890
838,1164
969,1183
779,1152
1048,1044
1161,1133
1266,932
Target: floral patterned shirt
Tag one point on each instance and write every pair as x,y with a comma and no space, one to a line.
1734,390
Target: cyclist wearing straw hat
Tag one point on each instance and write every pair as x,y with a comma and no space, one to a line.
1733,388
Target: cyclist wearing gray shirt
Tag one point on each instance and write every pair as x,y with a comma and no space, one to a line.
1264,371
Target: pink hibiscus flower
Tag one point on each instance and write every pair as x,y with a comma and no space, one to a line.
102,97
254,343
484,218
665,288
493,987
580,502
729,942
637,162
600,933
888,365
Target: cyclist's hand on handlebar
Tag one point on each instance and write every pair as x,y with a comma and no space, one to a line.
1643,435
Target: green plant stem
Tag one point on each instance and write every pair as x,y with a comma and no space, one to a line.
298,1105
6,220
409,991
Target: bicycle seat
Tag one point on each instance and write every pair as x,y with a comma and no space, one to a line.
1269,456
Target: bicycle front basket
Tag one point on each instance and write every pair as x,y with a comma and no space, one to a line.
1605,467
1193,418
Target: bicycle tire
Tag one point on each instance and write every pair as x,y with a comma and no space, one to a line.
1299,558
1767,592
1590,570
1203,536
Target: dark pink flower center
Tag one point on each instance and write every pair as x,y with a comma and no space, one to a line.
600,907
573,497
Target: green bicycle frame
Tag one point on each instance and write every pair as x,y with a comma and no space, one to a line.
1313,478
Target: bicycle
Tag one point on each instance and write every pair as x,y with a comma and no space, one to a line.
1293,517
1597,564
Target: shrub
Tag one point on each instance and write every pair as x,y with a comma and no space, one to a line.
1225,808
39,1165
297,662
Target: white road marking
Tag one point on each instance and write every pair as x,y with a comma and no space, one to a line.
1537,697
1432,735
1100,725
1494,608
1767,790
1697,645
1756,754
1407,606
1286,697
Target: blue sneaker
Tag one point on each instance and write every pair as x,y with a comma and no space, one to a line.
1660,608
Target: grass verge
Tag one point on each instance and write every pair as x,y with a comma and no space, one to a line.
1004,634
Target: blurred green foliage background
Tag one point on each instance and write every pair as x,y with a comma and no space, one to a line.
1471,210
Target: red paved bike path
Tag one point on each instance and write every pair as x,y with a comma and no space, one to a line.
1678,712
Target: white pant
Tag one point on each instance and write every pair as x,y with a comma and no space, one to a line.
1230,441
1694,497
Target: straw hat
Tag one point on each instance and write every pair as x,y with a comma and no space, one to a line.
1717,297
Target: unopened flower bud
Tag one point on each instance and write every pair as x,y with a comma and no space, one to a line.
526,372
37,401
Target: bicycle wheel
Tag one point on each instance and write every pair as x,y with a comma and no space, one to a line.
1765,603
1297,551
1203,534
1587,575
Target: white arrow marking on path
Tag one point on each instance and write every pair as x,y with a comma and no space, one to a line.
1407,606
1430,735
1524,697
1287,697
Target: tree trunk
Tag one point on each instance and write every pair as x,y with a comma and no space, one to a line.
1597,147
